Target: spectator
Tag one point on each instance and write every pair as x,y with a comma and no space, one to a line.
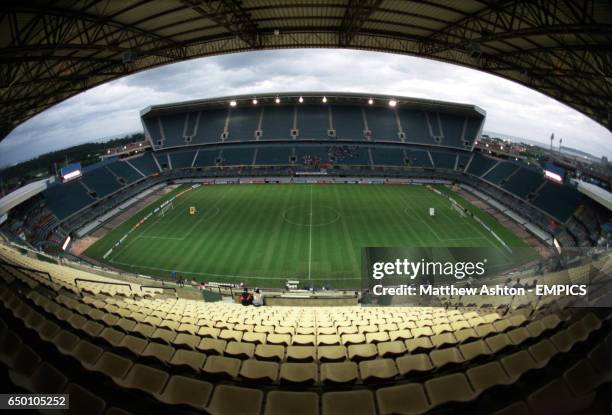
246,298
258,298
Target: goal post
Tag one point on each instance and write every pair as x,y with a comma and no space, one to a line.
165,209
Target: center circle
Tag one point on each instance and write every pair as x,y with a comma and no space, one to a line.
311,216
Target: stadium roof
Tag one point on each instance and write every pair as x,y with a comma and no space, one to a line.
52,50
291,98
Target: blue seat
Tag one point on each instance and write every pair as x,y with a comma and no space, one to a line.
242,123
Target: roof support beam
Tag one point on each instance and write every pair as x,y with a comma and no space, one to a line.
230,15
356,14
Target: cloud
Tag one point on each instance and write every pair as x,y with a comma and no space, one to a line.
113,108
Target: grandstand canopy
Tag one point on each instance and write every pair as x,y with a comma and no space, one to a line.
52,50
291,98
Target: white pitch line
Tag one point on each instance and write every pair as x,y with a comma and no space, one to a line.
246,277
310,237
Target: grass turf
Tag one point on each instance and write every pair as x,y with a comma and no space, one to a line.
263,235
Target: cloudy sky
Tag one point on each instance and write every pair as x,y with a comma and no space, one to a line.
113,108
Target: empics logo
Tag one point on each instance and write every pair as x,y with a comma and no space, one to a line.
412,269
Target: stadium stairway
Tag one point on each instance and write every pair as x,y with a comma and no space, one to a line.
162,355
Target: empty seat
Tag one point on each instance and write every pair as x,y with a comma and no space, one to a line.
164,336
443,340
111,336
144,378
181,390
230,400
161,353
360,352
188,360
450,388
355,402
486,376
377,337
204,331
111,365
259,371
65,341
413,363
446,357
83,401
295,403
543,351
555,398
391,349
269,352
333,339
222,367
400,335
240,350
87,353
299,373
339,373
563,341
466,334
301,354
132,344
422,344
601,358
282,339
379,369
251,337
331,353
408,399
186,341
518,363
498,342
519,335
212,346
475,349
230,335
582,378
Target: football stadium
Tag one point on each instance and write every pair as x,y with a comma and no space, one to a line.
308,252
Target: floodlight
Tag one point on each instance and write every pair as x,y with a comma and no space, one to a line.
324,100
300,100
254,101
232,103
277,100
392,103
370,101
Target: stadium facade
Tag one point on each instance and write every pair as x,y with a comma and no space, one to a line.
114,339
343,136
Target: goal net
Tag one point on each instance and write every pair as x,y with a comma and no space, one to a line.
165,209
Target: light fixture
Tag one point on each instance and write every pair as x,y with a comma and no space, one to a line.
254,101
277,100
232,103
300,100
324,100
392,103
370,101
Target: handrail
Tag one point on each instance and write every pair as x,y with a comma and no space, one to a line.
3,262
77,280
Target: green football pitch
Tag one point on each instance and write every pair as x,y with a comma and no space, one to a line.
264,235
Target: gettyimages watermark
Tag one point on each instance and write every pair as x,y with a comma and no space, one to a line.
484,276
